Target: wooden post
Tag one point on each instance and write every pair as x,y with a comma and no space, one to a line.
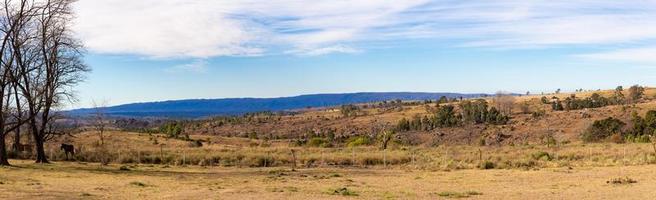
293,160
413,157
385,158
353,155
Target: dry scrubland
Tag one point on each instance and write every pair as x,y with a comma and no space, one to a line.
563,171
449,164
140,148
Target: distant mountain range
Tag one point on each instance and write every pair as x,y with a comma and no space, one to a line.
198,108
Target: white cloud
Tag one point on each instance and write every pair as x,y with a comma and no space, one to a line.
198,66
325,50
163,28
645,55
203,28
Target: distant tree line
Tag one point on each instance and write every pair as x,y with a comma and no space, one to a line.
635,93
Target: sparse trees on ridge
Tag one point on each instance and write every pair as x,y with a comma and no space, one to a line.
504,102
635,93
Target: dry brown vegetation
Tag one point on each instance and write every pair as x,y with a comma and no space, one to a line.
63,180
541,158
523,127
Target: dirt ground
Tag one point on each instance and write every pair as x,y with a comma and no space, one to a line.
64,180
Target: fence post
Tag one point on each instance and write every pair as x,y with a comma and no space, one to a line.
353,155
413,158
293,160
385,158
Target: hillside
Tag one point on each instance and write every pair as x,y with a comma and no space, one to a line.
523,127
197,108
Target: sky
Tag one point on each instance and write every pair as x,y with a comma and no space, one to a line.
155,50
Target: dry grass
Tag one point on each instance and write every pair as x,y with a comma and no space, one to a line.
135,148
64,180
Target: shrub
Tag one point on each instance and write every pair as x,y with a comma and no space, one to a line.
344,192
638,139
541,154
544,100
349,110
602,129
621,181
488,165
457,195
616,138
318,142
138,184
538,114
262,161
358,141
195,143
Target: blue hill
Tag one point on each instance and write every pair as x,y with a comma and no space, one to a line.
195,108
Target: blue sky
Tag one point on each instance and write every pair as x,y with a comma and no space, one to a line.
155,50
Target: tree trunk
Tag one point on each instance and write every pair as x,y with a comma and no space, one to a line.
16,140
4,161
20,117
40,151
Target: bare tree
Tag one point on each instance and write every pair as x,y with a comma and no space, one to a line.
635,93
504,101
49,61
12,23
100,119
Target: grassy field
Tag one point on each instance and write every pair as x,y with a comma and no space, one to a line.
72,180
138,148
533,171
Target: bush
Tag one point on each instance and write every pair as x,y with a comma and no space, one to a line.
602,129
318,142
124,168
488,165
458,195
138,184
344,192
262,161
621,181
541,154
616,138
359,141
638,139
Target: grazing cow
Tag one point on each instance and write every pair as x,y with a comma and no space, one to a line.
23,147
68,148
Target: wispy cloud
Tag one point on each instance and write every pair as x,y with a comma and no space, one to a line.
202,29
198,66
645,55
324,50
